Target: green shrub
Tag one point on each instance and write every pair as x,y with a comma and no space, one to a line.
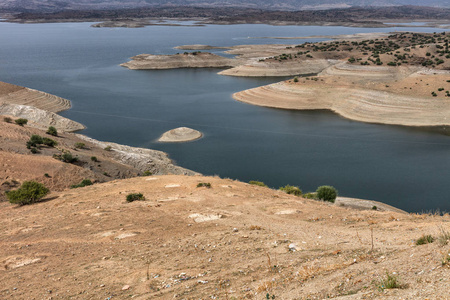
135,196
28,193
52,131
326,193
49,142
295,79
80,145
293,190
147,173
84,182
21,121
34,150
311,196
259,183
94,159
205,184
67,157
425,239
108,148
7,119
36,140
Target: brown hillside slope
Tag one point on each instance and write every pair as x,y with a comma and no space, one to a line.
230,241
18,164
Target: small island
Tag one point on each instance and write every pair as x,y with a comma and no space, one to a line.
181,134
195,59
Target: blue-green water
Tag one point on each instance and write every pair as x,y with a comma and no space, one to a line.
404,167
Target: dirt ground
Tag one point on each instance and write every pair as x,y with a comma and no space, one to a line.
230,241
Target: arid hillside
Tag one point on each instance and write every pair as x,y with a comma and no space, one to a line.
91,160
230,241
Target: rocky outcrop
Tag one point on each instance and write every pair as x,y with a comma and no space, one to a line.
40,118
157,162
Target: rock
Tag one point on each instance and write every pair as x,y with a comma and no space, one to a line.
125,287
292,247
181,134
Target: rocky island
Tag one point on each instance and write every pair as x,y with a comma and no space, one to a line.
185,60
181,134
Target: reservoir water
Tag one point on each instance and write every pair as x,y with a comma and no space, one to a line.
401,166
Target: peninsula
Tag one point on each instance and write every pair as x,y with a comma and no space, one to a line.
398,78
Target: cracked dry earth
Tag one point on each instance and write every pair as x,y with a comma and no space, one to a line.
230,241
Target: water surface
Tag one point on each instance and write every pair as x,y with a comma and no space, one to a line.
404,167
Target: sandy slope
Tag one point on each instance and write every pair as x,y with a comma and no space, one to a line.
231,240
12,94
400,96
268,69
38,107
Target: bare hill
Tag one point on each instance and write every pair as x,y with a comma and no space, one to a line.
18,164
347,16
56,5
230,241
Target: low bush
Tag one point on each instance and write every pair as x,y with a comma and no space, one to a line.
311,196
326,193
135,196
94,159
204,184
36,140
83,183
425,239
258,183
7,119
28,193
292,190
21,121
49,142
52,131
80,145
67,157
108,148
147,173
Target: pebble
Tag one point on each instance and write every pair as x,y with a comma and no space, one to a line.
292,247
125,287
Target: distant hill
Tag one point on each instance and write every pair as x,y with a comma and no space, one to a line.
57,5
358,16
